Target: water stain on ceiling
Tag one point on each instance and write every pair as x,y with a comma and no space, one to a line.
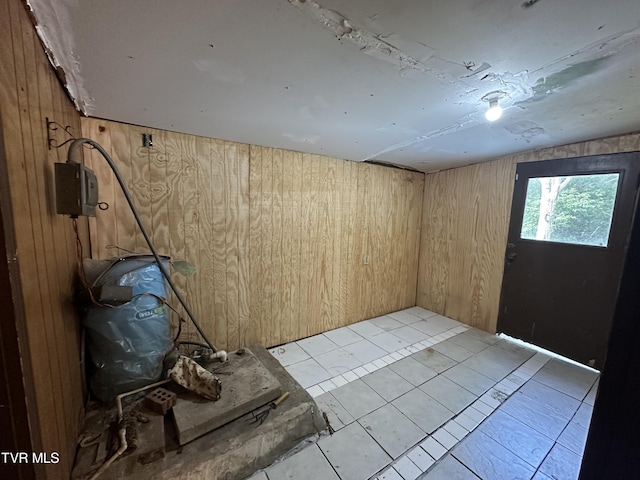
558,80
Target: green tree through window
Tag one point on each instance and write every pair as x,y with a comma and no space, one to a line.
576,209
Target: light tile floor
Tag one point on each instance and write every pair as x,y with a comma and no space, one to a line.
415,395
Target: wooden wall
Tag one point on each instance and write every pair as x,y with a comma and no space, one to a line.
279,237
464,231
42,256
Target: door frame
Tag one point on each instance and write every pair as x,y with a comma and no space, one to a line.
625,163
15,361
613,442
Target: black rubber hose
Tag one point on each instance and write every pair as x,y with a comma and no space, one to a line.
76,145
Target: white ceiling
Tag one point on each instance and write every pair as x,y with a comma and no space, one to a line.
398,81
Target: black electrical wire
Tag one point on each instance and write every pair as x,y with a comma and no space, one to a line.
197,344
76,145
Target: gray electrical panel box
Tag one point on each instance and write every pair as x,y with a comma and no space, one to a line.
76,190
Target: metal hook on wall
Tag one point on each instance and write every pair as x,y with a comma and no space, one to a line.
54,126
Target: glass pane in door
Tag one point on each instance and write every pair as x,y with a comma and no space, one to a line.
573,209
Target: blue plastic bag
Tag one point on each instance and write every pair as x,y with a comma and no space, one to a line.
127,344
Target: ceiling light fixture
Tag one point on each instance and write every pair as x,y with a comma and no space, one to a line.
492,98
494,112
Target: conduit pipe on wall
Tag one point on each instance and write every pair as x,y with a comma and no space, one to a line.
73,148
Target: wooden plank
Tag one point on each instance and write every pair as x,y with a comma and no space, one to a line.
287,253
29,238
306,252
270,329
105,224
121,153
359,272
326,240
496,220
140,185
277,259
368,244
54,103
205,264
86,157
629,143
219,243
401,235
397,214
345,235
249,385
13,186
336,168
170,240
385,224
244,328
231,242
317,256
297,233
190,233
54,269
256,310
291,163
338,312
474,239
40,238
353,253
162,185
413,238
65,258
378,227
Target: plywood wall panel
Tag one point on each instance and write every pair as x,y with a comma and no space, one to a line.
156,194
94,160
33,259
256,277
297,233
190,171
268,271
306,258
52,254
353,258
287,241
121,146
42,243
204,284
464,231
335,175
463,241
277,293
278,236
218,241
231,242
244,214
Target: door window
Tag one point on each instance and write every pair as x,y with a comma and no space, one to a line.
572,209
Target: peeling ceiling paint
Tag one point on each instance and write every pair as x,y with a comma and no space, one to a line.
403,82
367,42
54,29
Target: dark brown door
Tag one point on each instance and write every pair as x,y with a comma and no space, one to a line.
569,228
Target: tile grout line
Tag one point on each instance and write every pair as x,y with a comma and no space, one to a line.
370,367
425,454
439,451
